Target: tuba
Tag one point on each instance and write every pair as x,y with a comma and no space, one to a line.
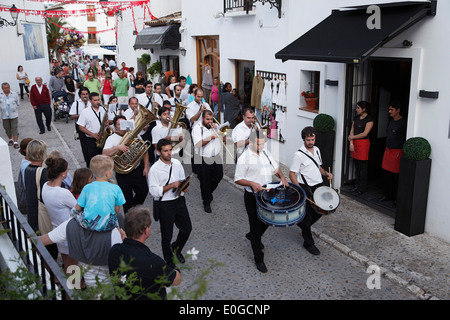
124,163
175,122
104,132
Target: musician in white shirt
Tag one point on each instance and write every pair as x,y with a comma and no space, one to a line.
255,168
165,177
241,132
146,98
75,110
176,96
195,108
161,130
306,171
89,123
209,168
133,184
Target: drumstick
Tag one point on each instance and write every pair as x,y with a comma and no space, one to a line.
312,201
329,171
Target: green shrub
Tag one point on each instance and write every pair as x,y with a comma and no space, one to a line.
323,122
416,149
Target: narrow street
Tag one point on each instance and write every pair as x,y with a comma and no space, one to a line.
293,274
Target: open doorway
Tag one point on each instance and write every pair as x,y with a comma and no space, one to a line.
378,81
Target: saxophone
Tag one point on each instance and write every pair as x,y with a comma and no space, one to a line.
124,163
104,132
175,123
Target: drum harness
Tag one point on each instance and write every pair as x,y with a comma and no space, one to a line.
303,178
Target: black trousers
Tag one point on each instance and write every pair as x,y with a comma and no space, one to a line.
22,86
134,187
311,216
210,173
91,149
82,137
361,174
47,111
257,227
174,212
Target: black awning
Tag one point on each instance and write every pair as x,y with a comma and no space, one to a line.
345,37
162,37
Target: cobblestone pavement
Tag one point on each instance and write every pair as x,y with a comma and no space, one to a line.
350,241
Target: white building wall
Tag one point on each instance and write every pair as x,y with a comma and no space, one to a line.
102,22
126,38
13,53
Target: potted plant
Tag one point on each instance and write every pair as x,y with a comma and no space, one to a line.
311,99
413,184
324,124
155,69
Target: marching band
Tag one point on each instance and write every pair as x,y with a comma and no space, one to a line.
141,138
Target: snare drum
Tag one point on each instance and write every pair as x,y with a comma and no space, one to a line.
281,207
326,200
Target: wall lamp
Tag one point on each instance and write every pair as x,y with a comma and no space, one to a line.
14,15
183,51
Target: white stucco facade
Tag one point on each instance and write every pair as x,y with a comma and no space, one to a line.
13,38
126,27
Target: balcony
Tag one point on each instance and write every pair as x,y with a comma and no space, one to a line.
233,6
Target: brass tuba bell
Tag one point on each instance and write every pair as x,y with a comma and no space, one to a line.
124,163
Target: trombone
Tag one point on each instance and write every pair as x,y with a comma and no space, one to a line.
223,133
266,127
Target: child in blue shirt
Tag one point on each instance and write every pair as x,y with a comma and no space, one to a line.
99,202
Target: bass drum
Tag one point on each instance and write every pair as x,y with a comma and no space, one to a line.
326,200
281,207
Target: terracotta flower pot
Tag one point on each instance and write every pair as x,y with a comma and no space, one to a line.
311,103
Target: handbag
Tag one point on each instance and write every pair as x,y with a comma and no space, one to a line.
21,194
27,81
44,221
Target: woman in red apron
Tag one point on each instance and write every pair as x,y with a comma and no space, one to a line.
395,137
360,144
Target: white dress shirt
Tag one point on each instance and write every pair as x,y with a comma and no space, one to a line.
304,165
81,107
143,100
192,109
158,176
212,148
255,167
91,120
160,131
241,133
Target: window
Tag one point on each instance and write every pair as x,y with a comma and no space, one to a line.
91,16
309,90
92,38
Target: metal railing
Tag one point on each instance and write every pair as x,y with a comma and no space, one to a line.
33,253
230,5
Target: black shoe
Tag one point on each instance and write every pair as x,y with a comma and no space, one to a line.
313,250
207,208
354,189
383,198
41,132
49,129
261,267
248,237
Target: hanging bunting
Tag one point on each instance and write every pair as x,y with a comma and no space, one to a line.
89,32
